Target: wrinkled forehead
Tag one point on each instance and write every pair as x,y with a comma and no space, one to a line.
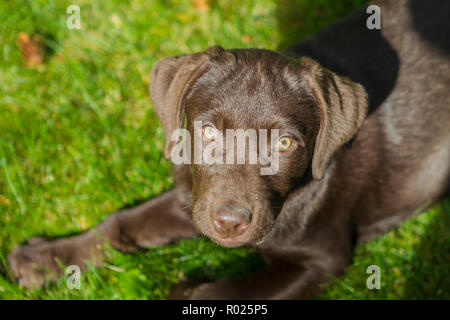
254,91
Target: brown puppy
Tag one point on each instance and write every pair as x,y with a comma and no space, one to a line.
366,115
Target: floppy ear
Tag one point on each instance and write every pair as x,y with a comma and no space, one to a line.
170,82
342,107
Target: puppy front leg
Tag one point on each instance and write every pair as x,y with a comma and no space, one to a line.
154,223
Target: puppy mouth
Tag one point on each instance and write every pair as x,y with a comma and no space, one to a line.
228,242
233,243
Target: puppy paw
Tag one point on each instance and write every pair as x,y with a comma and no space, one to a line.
183,290
34,264
190,290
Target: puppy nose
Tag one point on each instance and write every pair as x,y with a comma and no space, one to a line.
231,221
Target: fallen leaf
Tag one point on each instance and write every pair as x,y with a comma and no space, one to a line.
32,49
201,5
4,200
246,38
116,20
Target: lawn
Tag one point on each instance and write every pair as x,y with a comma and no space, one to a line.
79,139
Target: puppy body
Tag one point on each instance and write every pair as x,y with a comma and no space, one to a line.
373,113
398,163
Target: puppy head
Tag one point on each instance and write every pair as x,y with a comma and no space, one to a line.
298,112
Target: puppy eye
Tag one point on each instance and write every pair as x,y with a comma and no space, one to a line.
285,144
210,133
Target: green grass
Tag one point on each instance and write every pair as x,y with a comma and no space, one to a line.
79,139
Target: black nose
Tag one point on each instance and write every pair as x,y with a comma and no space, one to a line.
230,221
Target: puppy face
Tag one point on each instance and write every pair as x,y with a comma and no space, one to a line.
250,90
288,105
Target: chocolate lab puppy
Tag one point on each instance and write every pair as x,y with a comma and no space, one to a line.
363,118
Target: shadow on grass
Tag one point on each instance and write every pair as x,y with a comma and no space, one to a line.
431,261
298,19
232,266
